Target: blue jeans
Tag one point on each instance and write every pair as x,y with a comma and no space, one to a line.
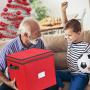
5,87
77,81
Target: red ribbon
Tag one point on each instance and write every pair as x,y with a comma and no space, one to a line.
10,31
19,7
6,36
22,2
3,24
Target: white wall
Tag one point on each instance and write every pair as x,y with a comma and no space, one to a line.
2,4
74,7
87,18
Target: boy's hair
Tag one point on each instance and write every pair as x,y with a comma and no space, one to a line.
74,25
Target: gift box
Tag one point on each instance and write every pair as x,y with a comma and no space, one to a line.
33,69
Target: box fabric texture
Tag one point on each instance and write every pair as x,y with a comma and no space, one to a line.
33,69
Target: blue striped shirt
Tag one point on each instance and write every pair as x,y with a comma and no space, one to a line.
75,50
15,45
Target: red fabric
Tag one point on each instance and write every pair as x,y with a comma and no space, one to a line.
33,69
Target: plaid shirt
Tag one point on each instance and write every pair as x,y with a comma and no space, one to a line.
15,45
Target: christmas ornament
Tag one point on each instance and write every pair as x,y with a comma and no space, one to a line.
5,9
18,12
9,1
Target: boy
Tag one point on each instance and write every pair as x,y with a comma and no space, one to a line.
76,47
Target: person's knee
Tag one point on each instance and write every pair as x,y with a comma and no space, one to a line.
79,83
5,87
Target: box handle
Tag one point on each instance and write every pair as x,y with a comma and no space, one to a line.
14,67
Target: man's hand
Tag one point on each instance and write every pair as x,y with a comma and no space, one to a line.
5,80
64,5
12,84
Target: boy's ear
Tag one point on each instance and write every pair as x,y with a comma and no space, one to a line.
79,32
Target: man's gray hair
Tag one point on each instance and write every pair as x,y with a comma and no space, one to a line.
22,28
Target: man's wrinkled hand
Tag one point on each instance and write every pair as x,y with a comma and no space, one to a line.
12,84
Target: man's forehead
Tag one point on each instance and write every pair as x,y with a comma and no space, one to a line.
32,25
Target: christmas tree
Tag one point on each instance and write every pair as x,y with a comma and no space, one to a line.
12,15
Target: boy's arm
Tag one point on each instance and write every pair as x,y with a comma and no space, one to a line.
64,6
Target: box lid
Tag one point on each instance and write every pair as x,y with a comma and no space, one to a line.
30,54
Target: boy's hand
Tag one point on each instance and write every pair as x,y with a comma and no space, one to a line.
64,5
12,84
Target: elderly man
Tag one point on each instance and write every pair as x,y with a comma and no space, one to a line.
29,37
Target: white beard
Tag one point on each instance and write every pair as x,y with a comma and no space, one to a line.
34,42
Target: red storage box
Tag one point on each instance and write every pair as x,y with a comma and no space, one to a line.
33,69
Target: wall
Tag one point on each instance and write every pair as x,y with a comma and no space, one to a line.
74,7
2,4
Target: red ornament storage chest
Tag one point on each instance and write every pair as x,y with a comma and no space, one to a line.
33,69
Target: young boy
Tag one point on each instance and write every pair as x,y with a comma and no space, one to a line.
76,47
